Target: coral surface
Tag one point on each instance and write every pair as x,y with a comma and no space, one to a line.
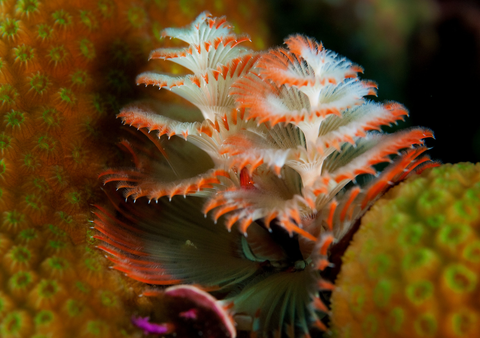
271,154
413,267
66,67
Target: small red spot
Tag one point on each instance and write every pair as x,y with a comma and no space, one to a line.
246,180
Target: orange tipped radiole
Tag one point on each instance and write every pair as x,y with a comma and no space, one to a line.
245,197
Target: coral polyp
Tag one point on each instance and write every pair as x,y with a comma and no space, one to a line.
244,196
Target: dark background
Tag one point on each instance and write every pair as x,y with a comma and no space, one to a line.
422,53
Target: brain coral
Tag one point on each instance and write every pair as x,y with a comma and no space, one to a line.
413,267
65,69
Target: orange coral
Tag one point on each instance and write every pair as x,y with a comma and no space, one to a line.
65,69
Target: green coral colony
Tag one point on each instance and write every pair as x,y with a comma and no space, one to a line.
413,267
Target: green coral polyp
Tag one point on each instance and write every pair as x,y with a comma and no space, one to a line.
30,162
87,49
8,94
419,292
426,325
108,299
9,28
433,200
45,32
137,17
471,253
395,319
27,7
46,294
21,282
79,78
78,154
74,307
18,258
89,20
51,118
463,322
59,176
435,221
383,293
33,202
92,265
28,235
74,197
44,317
57,245
67,96
62,18
24,54
57,268
39,83
14,119
460,279
16,324
370,325
46,144
379,266
83,288
466,210
96,327
56,232
57,263
411,235
357,298
58,55
65,217
5,143
40,184
106,7
453,235
3,167
13,220
99,104
420,262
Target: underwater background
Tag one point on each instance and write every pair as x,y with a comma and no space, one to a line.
424,54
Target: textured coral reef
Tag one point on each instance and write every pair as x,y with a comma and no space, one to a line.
413,269
271,155
66,67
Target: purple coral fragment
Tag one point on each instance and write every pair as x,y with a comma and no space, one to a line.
152,328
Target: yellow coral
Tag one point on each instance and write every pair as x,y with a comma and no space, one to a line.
413,268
